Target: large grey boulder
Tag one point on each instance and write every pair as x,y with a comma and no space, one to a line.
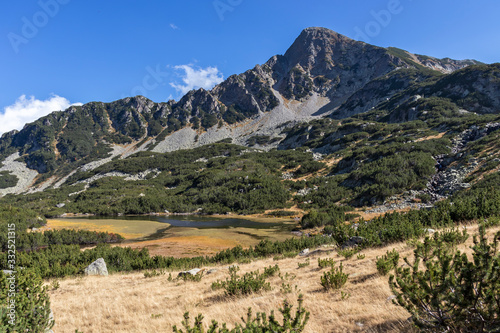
98,267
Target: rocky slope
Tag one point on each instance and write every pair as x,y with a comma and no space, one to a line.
322,74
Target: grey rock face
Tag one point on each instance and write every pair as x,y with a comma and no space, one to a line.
98,267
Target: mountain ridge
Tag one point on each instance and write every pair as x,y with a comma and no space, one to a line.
322,74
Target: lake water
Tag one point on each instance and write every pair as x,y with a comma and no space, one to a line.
151,227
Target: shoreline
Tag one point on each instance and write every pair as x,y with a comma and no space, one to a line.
259,217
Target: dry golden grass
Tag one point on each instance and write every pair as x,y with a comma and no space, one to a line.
132,303
369,216
430,137
183,246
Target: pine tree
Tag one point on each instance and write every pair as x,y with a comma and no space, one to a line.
451,293
31,300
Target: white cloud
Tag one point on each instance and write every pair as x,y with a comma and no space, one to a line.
194,78
173,26
26,110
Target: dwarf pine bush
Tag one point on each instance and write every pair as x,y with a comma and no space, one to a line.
250,282
335,278
258,324
327,262
387,262
32,304
446,292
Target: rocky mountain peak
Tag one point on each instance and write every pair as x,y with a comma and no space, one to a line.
315,49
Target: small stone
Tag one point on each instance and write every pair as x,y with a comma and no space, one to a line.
211,271
304,252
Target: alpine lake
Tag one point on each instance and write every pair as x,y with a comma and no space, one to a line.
183,235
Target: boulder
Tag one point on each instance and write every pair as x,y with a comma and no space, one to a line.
98,267
304,252
193,272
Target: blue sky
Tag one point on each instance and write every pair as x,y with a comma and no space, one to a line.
58,52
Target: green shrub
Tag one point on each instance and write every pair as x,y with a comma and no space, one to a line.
32,303
243,261
55,285
285,255
347,252
493,221
286,288
7,180
328,262
271,270
250,282
281,213
303,264
335,278
344,295
451,237
387,262
259,324
154,273
445,292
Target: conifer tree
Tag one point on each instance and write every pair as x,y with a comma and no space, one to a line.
446,292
